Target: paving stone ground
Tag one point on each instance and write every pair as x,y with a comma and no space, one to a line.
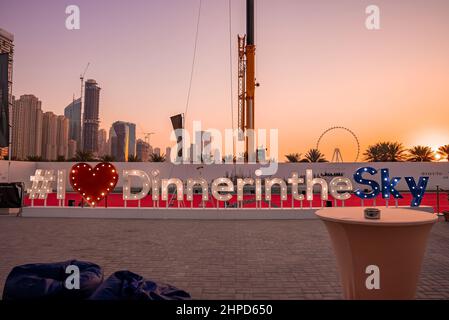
265,259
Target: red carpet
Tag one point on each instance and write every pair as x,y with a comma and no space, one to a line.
115,200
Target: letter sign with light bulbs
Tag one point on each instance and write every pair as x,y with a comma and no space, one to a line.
94,184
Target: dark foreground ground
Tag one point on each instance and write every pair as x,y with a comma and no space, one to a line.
209,259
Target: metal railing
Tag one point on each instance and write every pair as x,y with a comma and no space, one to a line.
438,197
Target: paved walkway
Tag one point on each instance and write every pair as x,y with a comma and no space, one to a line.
209,259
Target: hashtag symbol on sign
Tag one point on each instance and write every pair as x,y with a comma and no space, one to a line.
41,184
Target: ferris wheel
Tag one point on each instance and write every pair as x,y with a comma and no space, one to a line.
337,157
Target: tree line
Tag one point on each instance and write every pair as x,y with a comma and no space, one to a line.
382,152
84,156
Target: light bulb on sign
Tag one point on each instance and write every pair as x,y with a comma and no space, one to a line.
93,183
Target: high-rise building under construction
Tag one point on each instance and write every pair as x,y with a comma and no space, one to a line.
91,117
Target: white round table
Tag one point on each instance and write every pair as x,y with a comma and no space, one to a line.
394,244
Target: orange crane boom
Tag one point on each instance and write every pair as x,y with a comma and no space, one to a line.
247,80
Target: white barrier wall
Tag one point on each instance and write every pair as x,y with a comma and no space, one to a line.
437,171
16,171
178,213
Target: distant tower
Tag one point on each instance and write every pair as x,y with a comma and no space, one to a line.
71,149
132,138
167,154
27,127
91,118
62,137
261,154
6,99
73,113
49,136
123,140
102,142
142,150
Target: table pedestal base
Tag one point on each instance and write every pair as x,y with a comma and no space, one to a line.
397,251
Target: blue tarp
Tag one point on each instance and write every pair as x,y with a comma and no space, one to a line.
126,285
47,281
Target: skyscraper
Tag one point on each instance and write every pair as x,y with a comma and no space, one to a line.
122,137
102,143
261,153
167,154
143,150
6,100
71,149
132,138
73,113
91,117
200,149
26,127
62,137
112,142
49,136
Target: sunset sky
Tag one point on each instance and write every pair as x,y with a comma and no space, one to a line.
317,64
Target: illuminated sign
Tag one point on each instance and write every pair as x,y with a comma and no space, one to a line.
94,184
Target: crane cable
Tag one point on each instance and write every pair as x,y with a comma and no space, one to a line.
230,75
193,59
256,33
191,72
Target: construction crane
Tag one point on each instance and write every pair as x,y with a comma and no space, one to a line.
147,136
247,81
81,104
82,77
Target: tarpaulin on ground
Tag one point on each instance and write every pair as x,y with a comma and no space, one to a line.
47,281
126,285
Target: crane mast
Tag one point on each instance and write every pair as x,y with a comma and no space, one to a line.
241,87
247,82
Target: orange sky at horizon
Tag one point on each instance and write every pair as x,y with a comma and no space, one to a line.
317,64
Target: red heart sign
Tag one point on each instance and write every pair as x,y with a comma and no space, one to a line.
93,184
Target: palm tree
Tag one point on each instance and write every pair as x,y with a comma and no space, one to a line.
154,157
421,154
385,152
396,152
443,151
83,156
374,153
293,157
133,158
314,155
107,158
